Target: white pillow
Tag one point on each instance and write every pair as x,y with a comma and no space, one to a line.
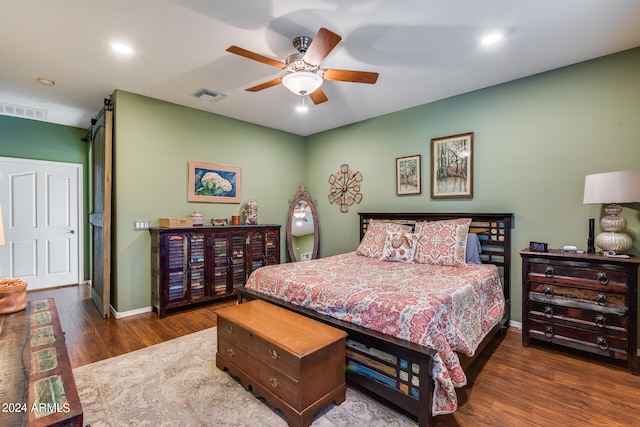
400,246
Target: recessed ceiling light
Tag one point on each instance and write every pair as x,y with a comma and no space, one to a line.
122,48
491,38
45,82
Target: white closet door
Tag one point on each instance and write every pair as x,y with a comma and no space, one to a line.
41,208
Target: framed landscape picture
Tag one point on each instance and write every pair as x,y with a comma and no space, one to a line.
408,178
213,183
452,166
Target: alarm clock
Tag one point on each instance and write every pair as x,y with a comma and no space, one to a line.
537,247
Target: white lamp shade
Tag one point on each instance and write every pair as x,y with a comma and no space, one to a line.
1,228
612,187
302,82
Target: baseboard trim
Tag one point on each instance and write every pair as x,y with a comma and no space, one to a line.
514,324
120,315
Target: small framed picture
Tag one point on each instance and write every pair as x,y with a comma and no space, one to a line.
452,166
408,178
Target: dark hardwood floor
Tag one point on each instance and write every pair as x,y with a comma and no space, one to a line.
91,338
511,385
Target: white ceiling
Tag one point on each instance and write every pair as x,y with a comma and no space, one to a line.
424,50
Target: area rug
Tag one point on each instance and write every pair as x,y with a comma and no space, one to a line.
176,383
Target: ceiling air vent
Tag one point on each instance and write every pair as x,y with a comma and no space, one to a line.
209,95
21,111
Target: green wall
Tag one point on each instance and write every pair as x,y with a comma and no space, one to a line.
32,139
153,143
535,139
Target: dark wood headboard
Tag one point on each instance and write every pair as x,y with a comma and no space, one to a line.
493,230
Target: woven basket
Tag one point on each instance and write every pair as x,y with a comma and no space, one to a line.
13,295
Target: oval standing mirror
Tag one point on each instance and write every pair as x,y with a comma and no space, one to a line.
302,227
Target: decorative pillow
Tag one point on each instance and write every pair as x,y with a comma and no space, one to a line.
474,249
442,242
400,246
374,239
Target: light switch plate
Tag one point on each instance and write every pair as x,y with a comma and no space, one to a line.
140,224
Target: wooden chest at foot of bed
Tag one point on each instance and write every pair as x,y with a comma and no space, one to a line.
293,362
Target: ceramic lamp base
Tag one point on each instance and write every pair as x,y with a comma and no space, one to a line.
616,242
612,238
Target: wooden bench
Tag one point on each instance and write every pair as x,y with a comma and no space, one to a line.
38,388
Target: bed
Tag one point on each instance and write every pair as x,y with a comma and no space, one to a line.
406,347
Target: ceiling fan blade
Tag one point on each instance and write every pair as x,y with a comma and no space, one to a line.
350,76
321,46
318,96
255,56
265,85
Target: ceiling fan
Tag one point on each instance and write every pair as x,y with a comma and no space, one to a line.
304,75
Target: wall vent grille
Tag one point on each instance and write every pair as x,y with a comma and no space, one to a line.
209,95
22,111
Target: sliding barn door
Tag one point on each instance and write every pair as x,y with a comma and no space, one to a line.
100,217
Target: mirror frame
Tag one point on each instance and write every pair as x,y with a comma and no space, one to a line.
302,195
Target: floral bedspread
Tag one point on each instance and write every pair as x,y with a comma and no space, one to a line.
448,309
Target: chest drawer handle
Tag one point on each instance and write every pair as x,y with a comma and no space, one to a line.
602,344
601,299
549,271
548,292
231,330
548,311
601,321
231,353
274,354
602,278
275,383
548,332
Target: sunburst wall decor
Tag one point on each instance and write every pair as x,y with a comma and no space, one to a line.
345,188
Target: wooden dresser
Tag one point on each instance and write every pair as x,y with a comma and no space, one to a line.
295,363
587,302
196,265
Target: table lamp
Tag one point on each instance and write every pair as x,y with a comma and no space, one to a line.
613,188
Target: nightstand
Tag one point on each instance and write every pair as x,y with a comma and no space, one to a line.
587,302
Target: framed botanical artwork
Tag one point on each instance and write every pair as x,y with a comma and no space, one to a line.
213,183
408,178
452,166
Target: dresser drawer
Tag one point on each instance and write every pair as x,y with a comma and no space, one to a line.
268,353
597,278
266,374
587,315
582,339
560,294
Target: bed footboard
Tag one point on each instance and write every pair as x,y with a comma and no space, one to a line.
396,371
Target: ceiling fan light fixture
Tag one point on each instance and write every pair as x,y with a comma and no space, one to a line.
302,82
